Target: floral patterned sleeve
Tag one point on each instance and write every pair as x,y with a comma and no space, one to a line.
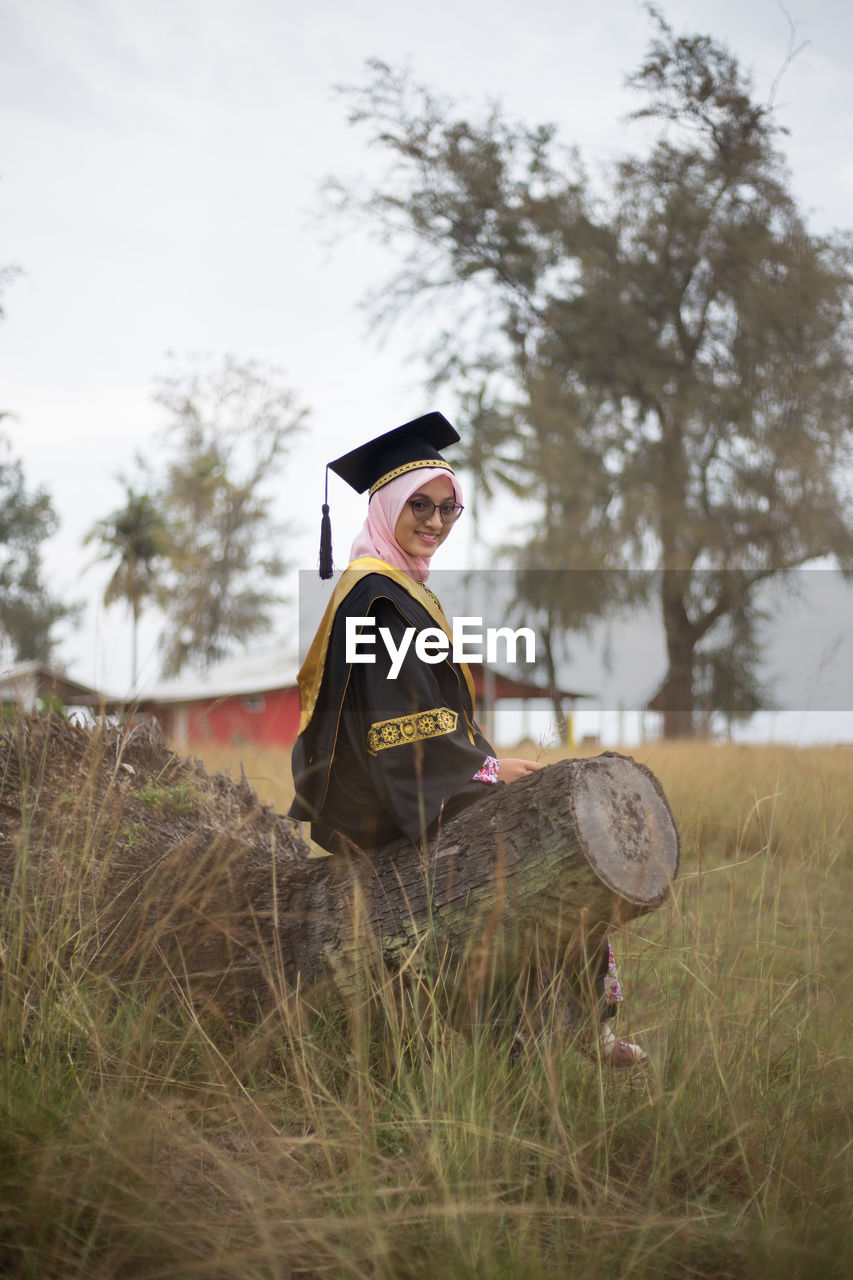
488,771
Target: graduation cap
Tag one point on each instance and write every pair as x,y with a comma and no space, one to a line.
413,445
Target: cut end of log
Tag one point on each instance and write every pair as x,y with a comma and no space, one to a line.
626,829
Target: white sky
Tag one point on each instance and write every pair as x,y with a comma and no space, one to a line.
159,162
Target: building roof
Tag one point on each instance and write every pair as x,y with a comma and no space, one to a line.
256,672
24,682
276,668
509,686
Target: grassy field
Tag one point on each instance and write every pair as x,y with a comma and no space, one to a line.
139,1141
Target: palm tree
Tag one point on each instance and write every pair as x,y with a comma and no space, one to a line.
135,537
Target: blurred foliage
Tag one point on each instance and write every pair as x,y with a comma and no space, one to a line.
29,612
196,535
658,357
231,426
135,537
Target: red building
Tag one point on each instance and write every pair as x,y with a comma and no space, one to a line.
255,699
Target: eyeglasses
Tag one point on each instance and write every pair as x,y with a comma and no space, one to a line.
423,509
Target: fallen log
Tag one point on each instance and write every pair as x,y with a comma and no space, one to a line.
171,875
548,864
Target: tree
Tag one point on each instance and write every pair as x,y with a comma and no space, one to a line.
676,346
727,681
136,538
231,427
28,611
488,452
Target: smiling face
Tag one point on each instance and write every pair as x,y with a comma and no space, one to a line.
423,537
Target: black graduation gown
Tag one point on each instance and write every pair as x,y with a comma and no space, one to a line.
378,757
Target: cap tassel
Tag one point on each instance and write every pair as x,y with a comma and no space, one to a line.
326,566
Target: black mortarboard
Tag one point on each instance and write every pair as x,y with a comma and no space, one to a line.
372,465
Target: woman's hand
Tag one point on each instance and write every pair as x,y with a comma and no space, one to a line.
509,770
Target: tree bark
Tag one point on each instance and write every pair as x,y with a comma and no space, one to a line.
546,631
676,695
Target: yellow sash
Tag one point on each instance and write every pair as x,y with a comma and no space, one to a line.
311,672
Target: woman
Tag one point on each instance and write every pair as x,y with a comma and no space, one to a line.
388,745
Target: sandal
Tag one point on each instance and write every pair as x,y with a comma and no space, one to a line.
615,1053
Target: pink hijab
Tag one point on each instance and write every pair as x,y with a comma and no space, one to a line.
376,536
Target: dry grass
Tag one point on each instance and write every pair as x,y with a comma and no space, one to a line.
266,769
136,1141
